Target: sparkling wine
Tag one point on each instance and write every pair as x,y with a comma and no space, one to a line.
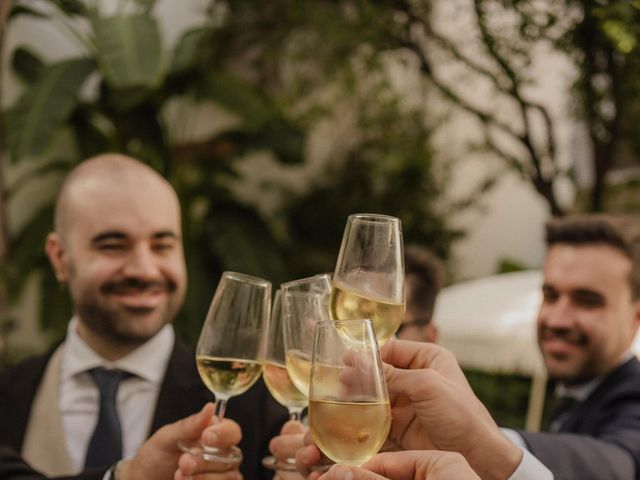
385,315
282,387
349,432
227,377
299,368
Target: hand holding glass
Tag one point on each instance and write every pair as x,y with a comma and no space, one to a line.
349,411
231,347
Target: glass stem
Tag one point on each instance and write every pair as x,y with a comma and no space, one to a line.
295,414
221,406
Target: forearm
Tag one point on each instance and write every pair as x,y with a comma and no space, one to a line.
493,456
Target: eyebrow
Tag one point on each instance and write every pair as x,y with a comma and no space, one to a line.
117,235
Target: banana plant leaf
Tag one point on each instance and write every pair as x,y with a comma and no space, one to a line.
189,49
41,109
27,251
243,242
27,65
129,50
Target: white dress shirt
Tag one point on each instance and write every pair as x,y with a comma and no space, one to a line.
137,395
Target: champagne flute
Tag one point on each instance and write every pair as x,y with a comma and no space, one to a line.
349,410
231,347
278,381
369,277
304,304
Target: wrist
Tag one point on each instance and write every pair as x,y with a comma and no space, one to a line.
495,457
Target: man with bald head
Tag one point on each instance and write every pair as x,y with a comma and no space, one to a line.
117,245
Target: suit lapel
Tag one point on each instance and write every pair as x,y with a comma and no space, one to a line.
582,415
182,392
18,387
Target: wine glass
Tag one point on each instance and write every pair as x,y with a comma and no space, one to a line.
349,410
278,381
231,347
304,303
369,277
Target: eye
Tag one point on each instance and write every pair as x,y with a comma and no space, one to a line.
163,246
549,295
588,299
111,246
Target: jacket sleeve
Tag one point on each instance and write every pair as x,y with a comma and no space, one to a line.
571,456
12,467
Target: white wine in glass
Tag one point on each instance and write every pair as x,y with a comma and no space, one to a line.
369,278
304,303
278,381
349,410
231,347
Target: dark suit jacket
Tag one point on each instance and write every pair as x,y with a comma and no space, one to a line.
600,439
181,394
13,468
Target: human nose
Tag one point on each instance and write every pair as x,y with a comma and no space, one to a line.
142,263
557,314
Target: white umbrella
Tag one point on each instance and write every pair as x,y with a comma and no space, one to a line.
489,325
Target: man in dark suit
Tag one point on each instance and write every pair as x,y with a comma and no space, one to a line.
157,459
587,322
117,245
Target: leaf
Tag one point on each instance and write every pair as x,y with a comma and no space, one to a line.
129,50
56,165
27,65
243,242
71,7
27,250
188,49
18,10
239,97
41,109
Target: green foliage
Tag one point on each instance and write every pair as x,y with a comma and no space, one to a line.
33,120
506,396
280,69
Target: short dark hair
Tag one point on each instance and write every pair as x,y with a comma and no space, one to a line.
621,232
428,273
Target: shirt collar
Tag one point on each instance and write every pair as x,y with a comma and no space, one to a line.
582,391
148,361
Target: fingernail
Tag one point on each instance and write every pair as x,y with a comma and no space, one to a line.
211,438
305,454
343,473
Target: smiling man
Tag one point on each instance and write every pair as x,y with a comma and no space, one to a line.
120,373
588,319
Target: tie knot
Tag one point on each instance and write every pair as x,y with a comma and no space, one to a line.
108,380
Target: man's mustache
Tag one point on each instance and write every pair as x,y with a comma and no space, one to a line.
134,284
567,335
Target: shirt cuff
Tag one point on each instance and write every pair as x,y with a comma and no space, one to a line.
531,468
515,438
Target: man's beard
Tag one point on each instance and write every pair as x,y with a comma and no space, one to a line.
106,321
580,372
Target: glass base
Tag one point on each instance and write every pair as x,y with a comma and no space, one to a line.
272,463
231,455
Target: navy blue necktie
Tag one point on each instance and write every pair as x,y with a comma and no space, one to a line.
105,446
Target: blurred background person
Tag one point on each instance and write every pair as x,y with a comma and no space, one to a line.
424,277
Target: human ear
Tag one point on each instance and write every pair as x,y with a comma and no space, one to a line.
55,250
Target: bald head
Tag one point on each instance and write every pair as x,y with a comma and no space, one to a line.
109,173
118,246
